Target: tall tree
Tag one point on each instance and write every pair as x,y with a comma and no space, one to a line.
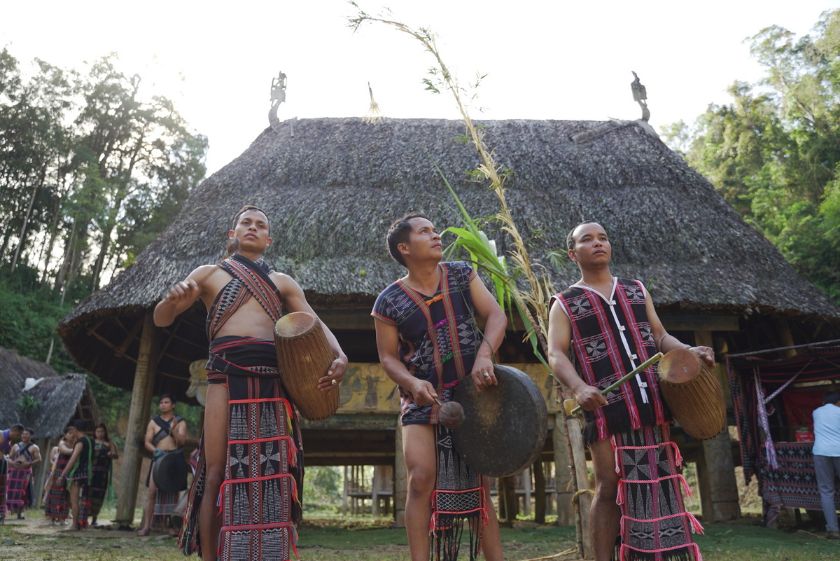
774,151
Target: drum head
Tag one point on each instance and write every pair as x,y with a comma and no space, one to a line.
170,472
294,324
679,366
505,426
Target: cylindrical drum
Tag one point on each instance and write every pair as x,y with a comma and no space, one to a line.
504,426
693,394
304,356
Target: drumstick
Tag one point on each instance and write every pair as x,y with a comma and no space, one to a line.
572,408
451,414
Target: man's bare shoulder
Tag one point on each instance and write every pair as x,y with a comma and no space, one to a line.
203,272
283,282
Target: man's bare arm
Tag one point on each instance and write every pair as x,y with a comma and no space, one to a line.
387,345
559,342
666,342
181,296
74,457
179,433
150,434
495,323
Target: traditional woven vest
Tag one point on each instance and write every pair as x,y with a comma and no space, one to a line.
610,338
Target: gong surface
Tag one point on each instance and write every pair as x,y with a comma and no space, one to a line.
170,471
505,426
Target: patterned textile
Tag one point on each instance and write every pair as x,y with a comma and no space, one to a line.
457,499
259,499
18,479
439,340
57,503
81,474
654,523
609,338
101,477
438,334
794,483
165,504
3,475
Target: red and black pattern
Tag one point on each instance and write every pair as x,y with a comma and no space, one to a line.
609,338
260,498
654,523
57,505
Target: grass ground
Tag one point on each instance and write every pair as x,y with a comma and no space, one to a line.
359,539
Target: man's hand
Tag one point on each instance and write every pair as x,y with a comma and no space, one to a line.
589,398
335,374
482,373
705,354
186,290
422,392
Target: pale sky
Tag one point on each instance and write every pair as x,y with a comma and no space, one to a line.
543,59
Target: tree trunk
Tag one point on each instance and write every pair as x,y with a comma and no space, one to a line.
22,237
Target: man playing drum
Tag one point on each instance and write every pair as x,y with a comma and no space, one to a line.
245,497
428,340
611,326
165,433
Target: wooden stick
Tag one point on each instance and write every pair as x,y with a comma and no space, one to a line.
570,405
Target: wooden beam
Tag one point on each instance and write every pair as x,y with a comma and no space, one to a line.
144,376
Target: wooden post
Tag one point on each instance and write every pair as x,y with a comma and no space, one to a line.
400,478
39,477
144,376
715,468
539,492
564,484
584,497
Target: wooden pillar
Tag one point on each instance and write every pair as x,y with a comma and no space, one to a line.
141,394
42,470
574,429
526,492
539,492
346,495
563,483
715,468
400,478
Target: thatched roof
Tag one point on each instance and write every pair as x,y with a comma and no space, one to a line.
332,186
52,402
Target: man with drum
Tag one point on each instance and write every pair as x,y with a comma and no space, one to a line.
611,326
165,435
428,340
245,498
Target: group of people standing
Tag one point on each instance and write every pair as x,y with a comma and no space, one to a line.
78,478
435,327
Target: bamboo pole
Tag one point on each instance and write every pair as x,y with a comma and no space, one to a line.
144,375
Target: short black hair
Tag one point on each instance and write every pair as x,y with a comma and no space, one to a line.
167,396
68,428
17,427
831,397
398,233
245,209
570,237
80,424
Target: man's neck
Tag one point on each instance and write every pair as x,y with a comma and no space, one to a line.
167,416
251,256
425,275
596,277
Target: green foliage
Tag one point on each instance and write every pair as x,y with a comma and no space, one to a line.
774,151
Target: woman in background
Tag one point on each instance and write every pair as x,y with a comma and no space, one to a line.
104,452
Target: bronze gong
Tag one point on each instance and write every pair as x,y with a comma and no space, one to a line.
504,426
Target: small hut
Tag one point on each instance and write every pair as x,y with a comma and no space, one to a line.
332,186
50,401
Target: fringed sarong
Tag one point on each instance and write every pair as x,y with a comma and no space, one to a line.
17,488
57,504
259,499
100,479
654,523
3,474
456,500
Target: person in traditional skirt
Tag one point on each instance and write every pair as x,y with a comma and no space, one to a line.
611,326
56,497
79,472
23,456
429,340
104,453
165,433
8,437
244,501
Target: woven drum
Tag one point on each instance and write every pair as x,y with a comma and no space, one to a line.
304,356
693,394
